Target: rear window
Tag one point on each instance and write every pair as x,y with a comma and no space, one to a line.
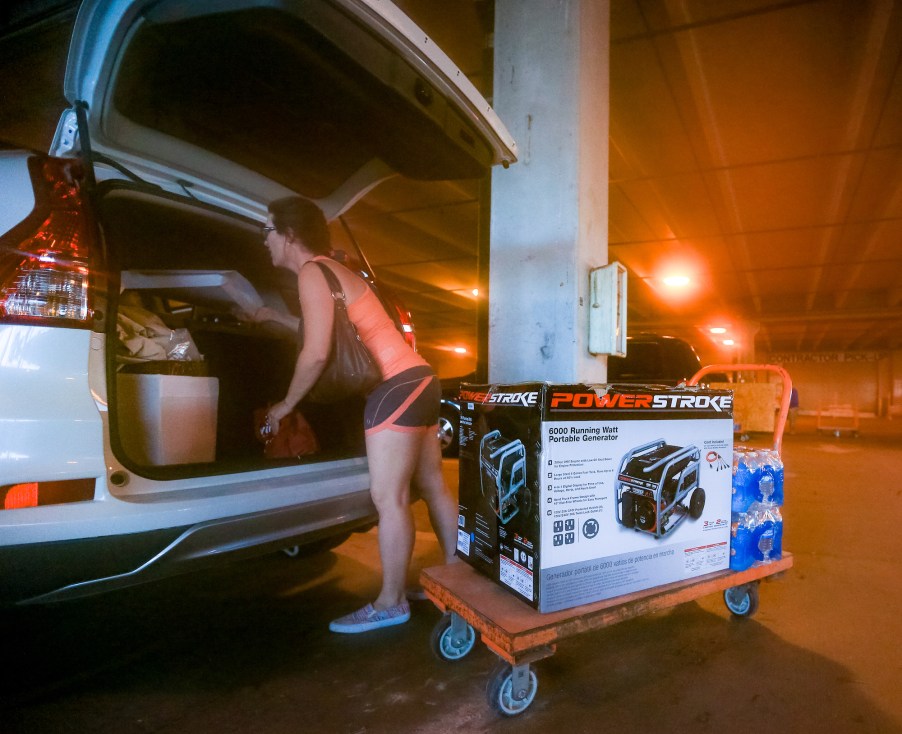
642,362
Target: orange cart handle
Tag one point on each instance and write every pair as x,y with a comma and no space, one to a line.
784,402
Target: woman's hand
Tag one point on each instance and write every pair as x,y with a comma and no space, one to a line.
274,416
267,315
261,315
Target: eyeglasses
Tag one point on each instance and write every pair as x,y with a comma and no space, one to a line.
264,231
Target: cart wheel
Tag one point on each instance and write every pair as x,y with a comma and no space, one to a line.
449,643
742,601
502,692
697,503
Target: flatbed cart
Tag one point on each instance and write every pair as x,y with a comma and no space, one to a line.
520,635
838,419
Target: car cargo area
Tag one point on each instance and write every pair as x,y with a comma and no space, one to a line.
186,369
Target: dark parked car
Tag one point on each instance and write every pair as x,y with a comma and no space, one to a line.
449,417
654,359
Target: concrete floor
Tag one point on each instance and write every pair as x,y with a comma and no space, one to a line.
246,648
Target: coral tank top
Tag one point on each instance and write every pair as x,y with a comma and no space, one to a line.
381,336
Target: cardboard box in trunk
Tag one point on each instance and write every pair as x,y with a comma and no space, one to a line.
168,419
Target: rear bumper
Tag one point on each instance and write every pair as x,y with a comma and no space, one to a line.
70,569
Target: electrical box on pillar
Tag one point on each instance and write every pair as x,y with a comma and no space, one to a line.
607,310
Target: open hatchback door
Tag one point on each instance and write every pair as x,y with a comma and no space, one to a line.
249,100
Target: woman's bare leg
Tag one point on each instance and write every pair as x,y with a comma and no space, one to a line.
393,458
430,481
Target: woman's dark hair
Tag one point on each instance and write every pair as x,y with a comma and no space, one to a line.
305,218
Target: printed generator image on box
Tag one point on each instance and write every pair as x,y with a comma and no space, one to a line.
571,494
657,487
502,475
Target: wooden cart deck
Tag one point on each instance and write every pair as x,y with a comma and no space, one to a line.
519,634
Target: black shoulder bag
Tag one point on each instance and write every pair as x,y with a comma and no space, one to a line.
351,369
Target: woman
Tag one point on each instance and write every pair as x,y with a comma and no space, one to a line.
401,414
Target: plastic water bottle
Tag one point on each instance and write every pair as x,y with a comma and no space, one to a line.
741,528
736,501
766,486
767,534
742,482
777,551
762,537
756,467
772,466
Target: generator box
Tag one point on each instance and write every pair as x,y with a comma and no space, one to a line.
571,494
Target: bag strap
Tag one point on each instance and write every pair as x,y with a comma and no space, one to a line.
343,318
338,294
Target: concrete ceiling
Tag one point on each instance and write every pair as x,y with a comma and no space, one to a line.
755,145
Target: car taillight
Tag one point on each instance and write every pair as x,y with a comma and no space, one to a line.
33,494
44,272
406,323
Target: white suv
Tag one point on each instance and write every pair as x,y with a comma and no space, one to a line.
127,384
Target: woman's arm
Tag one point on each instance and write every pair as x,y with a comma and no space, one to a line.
318,310
265,313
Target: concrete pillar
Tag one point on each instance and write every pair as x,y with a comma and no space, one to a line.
550,210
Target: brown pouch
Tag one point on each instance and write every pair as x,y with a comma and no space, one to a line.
294,439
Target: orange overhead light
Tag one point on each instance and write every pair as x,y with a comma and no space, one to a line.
453,348
676,281
728,342
718,330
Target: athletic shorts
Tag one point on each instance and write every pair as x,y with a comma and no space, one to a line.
409,401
